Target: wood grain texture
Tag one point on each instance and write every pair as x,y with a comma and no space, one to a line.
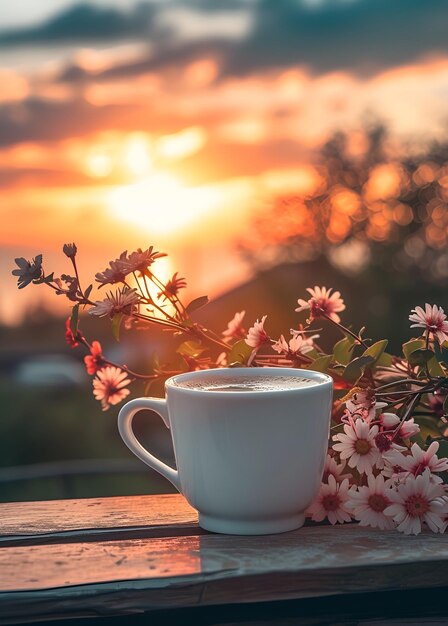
110,578
24,522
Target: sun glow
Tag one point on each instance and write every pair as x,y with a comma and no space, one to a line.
161,204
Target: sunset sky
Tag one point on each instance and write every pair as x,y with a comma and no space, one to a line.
173,123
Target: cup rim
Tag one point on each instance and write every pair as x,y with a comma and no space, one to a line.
324,381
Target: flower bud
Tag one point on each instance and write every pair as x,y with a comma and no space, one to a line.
70,250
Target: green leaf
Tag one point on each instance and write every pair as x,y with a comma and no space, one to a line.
355,369
443,449
88,291
342,351
376,350
428,427
191,348
116,325
322,363
420,356
74,319
313,354
240,353
385,360
412,346
434,367
197,303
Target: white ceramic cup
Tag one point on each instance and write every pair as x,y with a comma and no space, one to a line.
249,462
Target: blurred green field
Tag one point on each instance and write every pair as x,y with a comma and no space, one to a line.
56,426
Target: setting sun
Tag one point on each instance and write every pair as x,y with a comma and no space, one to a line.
161,203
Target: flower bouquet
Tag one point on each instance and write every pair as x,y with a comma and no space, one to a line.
386,465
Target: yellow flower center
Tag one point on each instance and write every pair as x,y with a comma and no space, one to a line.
363,446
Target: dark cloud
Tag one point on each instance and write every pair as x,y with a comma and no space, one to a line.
363,36
44,120
85,22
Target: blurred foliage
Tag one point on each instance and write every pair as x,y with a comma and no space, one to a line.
365,208
44,425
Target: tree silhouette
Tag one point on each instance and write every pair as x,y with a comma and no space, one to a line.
368,210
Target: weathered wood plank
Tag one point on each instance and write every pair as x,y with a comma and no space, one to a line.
130,576
22,522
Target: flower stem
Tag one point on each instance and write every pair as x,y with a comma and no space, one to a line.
346,330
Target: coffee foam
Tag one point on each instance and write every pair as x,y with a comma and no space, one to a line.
247,383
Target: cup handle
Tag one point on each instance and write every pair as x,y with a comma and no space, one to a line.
125,418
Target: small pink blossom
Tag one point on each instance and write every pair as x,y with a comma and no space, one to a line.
416,501
408,429
322,303
172,287
109,386
122,301
357,444
432,319
95,360
257,335
137,261
235,327
115,273
331,502
140,260
28,271
72,339
334,469
297,345
390,422
369,502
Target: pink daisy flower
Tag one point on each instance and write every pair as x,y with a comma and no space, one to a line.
392,470
432,319
331,502
322,303
334,469
140,260
115,273
235,327
257,335
419,460
417,501
122,301
357,444
109,386
368,504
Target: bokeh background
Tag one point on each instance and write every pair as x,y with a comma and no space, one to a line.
265,146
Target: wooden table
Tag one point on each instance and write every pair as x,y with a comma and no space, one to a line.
131,555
